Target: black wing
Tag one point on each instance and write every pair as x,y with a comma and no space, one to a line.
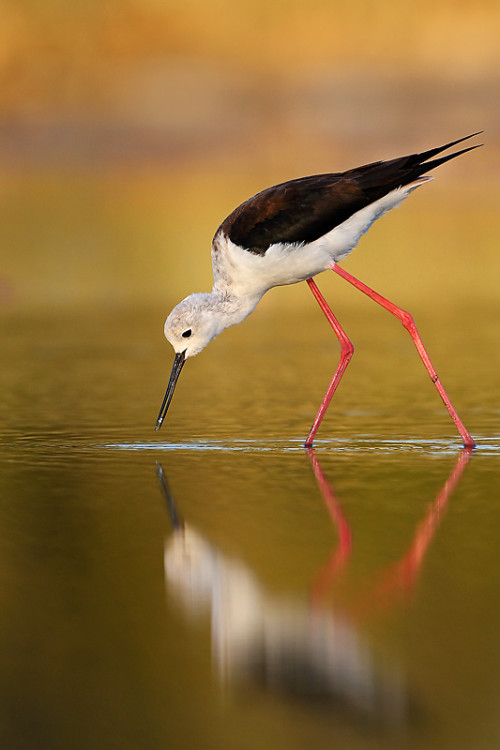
302,210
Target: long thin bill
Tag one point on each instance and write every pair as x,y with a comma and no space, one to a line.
179,360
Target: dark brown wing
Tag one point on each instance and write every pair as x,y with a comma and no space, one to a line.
302,210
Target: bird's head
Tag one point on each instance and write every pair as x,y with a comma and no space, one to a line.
191,325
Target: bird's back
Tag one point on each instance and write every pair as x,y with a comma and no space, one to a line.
305,209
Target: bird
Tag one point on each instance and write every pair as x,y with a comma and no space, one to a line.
289,233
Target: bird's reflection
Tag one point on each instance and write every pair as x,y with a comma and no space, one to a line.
399,580
291,646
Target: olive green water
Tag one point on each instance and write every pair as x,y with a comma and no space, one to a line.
260,595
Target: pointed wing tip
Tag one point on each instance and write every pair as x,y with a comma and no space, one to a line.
426,155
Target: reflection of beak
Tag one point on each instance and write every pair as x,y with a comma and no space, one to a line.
175,518
179,360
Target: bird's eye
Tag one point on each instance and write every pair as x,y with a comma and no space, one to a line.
186,334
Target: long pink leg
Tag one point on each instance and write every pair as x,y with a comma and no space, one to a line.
346,352
408,322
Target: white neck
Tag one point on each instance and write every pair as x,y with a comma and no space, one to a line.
232,309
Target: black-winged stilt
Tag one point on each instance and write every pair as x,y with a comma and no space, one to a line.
290,233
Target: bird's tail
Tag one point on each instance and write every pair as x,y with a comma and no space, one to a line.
422,163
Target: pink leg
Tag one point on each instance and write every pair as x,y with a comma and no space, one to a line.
346,352
408,322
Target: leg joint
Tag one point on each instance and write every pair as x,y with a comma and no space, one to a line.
407,320
347,348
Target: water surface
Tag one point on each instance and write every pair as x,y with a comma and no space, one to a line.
217,585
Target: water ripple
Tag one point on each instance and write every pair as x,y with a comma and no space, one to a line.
364,444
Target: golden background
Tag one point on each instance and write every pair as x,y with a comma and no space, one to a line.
129,130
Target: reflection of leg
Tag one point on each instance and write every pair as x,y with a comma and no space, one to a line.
408,322
401,577
338,559
346,352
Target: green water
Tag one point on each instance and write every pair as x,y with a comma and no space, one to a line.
342,598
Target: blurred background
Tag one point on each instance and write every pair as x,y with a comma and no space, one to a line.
129,130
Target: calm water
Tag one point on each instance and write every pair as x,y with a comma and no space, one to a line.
215,585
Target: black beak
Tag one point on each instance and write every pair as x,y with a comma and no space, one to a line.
179,360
